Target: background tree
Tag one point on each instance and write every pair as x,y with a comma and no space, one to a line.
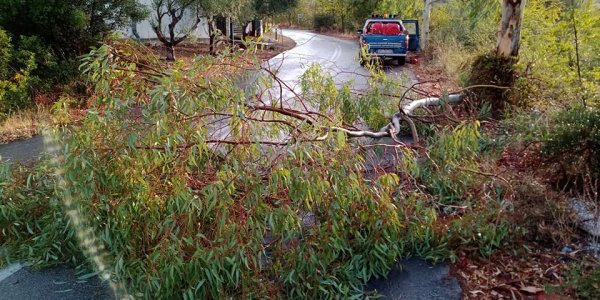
235,10
108,15
179,18
269,8
263,9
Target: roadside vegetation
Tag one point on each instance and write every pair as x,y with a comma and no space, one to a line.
178,183
39,49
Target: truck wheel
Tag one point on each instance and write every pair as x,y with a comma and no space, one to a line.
401,60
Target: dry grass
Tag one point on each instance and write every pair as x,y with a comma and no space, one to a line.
455,63
190,50
24,124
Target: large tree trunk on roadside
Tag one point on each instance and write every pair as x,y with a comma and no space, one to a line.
424,30
425,25
509,34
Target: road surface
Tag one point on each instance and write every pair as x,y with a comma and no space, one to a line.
23,150
339,57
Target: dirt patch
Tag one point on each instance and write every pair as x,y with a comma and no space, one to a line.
521,275
433,79
265,50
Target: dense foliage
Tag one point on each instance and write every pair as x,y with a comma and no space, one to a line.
573,139
40,42
69,28
28,67
183,185
185,210
347,14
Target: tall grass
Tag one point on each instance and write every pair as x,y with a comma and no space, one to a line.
24,124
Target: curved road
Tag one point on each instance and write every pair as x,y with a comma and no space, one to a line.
337,56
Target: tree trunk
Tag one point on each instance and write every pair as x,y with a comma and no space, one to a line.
425,25
509,34
211,36
576,41
244,31
170,52
134,31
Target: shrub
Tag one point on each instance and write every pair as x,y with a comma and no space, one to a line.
69,28
451,153
15,79
584,279
324,22
468,28
574,139
490,69
5,53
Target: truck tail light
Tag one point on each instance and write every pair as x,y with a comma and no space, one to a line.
406,42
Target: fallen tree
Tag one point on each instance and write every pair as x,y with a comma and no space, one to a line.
191,179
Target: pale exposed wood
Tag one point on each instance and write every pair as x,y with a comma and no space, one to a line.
509,33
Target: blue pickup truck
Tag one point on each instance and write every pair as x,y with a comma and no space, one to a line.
388,38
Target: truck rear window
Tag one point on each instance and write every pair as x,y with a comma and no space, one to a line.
384,28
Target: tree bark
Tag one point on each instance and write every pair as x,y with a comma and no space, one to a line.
509,34
425,25
211,36
170,52
134,31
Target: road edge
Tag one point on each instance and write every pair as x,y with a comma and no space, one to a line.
10,270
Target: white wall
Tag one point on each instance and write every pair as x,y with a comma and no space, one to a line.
145,31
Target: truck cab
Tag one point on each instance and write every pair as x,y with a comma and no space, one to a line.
388,38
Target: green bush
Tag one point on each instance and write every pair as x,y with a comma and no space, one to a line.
69,28
324,21
451,154
15,78
574,140
27,67
468,28
584,280
5,53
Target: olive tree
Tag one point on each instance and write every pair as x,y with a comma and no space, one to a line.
173,21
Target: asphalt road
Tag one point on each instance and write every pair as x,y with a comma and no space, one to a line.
337,56
411,279
23,150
